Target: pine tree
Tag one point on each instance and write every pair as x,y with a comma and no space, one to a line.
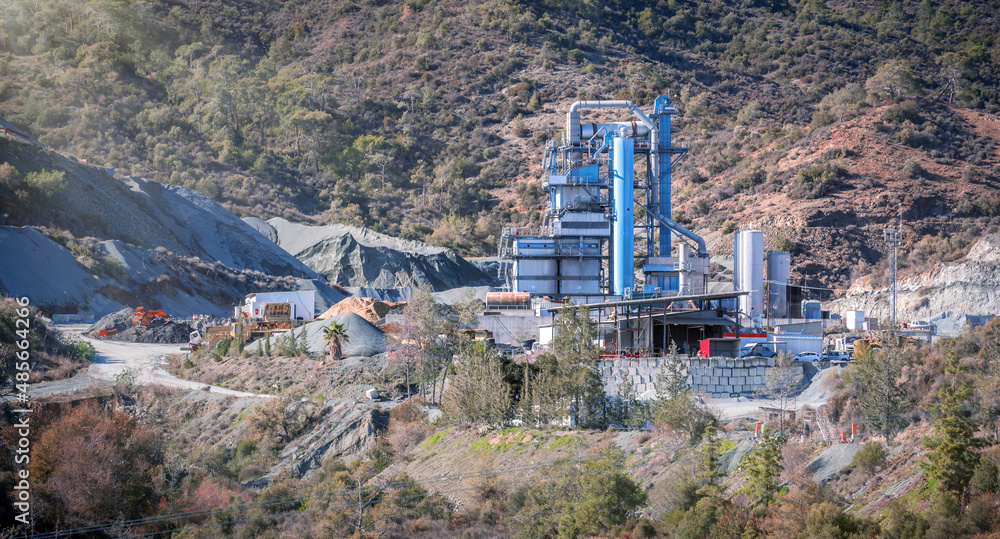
880,396
762,467
676,406
578,373
708,462
952,458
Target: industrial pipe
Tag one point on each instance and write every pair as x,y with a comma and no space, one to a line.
702,246
682,264
633,129
574,134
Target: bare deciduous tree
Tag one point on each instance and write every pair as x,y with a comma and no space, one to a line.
781,383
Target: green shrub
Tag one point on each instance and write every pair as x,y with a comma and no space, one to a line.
913,169
697,177
988,205
817,181
535,103
245,448
750,179
828,520
784,245
905,111
221,349
870,457
46,185
914,138
519,129
81,350
9,177
110,267
984,477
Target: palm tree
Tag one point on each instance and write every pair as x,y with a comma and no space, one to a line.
334,335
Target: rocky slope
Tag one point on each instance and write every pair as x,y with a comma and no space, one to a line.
144,213
831,193
944,293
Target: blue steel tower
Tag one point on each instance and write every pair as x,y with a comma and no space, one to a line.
586,244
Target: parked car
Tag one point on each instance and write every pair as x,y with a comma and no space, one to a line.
919,324
837,357
807,356
761,349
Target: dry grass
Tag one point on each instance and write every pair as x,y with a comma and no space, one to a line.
300,375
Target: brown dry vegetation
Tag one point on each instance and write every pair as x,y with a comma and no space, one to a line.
298,375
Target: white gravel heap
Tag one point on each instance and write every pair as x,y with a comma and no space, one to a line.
352,256
364,339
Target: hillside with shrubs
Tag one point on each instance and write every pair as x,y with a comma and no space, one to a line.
487,455
425,119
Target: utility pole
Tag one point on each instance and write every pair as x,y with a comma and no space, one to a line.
893,237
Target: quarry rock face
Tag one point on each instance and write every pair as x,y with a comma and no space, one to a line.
352,256
944,295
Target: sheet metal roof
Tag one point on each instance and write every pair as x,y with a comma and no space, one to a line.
654,301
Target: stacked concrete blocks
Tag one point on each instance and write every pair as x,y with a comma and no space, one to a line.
719,377
640,372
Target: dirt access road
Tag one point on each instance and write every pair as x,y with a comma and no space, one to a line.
145,361
816,394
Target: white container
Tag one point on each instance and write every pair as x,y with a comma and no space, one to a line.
855,320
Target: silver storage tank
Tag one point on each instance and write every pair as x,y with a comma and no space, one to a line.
779,271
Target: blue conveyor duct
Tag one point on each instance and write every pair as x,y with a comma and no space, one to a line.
623,178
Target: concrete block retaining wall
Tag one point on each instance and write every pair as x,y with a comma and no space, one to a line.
717,376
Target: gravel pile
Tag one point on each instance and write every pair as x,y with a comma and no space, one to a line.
491,267
119,324
381,294
326,295
830,462
455,295
371,310
364,339
36,267
352,256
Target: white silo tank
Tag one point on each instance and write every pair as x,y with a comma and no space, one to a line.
750,267
779,271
